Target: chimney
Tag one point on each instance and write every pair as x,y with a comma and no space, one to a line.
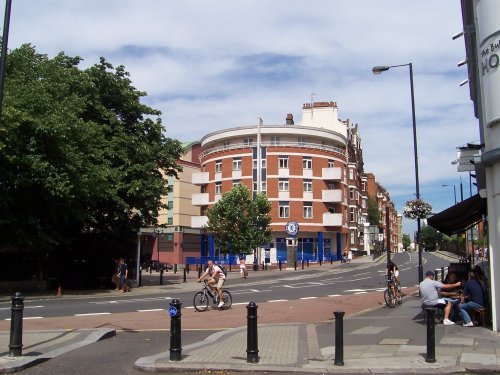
289,119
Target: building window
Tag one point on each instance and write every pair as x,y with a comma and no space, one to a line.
330,163
283,185
307,185
363,203
236,164
363,186
247,141
307,162
254,186
218,188
352,214
275,141
308,210
351,174
263,163
283,162
170,221
331,209
353,238
263,186
284,208
236,182
301,141
226,144
170,205
218,166
351,193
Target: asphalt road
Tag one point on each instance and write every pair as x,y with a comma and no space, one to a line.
287,285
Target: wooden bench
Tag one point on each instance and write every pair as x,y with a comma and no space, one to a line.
480,314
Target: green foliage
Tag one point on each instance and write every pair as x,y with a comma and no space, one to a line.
79,154
430,237
406,241
238,222
373,214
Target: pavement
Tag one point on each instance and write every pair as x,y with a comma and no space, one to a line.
376,339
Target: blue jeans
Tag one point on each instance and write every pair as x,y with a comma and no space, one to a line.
463,307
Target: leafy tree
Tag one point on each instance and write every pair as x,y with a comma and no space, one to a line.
406,241
429,237
238,222
80,155
373,214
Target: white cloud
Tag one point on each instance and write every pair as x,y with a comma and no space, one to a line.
208,65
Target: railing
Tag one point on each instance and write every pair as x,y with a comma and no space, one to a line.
239,146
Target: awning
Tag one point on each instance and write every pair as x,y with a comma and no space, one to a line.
460,217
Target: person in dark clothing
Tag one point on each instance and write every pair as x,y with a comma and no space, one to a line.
122,274
473,294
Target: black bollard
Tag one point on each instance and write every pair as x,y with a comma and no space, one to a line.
339,338
320,261
199,272
331,259
140,278
308,263
252,339
184,276
161,276
262,266
302,263
442,274
431,337
150,270
187,267
16,325
175,330
279,263
175,268
295,265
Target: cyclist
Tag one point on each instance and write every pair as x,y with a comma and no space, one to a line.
216,277
392,274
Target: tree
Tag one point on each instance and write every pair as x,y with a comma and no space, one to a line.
238,222
429,237
81,157
373,214
406,241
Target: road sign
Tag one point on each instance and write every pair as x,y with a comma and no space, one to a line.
172,311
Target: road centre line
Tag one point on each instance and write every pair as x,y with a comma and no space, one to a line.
278,300
308,297
91,314
335,295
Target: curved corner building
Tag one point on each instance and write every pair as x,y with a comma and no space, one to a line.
305,171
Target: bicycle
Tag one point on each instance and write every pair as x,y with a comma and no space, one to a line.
392,294
202,297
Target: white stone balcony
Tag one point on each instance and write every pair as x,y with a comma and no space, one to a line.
199,221
332,220
199,178
331,174
199,199
332,196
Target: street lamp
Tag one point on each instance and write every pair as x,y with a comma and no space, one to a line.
378,70
454,191
157,234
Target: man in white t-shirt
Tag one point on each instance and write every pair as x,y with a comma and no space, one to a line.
429,293
216,277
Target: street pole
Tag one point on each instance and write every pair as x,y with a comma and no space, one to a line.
3,59
378,70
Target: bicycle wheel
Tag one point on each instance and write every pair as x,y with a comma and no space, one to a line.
389,298
200,301
227,299
399,298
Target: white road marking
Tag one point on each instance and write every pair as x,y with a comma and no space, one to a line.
150,310
28,318
25,307
308,297
335,295
354,290
132,300
278,300
91,314
360,292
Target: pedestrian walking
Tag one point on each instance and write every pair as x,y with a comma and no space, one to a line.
243,268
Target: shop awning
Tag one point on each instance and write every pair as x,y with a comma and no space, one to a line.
460,217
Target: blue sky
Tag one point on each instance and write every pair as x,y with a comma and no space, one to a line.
210,65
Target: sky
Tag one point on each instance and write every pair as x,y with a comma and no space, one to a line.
210,65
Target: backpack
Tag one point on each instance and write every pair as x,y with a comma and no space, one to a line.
223,269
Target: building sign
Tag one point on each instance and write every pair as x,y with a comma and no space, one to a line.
488,14
464,158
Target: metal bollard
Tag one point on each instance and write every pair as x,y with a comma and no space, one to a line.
295,265
184,277
140,278
16,325
431,337
175,330
262,266
199,272
302,263
187,267
331,259
279,263
442,273
161,276
339,338
320,261
308,263
175,268
252,337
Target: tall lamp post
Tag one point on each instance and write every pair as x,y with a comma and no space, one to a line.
454,191
378,70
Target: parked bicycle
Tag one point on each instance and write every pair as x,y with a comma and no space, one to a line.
392,293
202,298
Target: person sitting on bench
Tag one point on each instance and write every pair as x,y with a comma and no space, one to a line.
429,292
